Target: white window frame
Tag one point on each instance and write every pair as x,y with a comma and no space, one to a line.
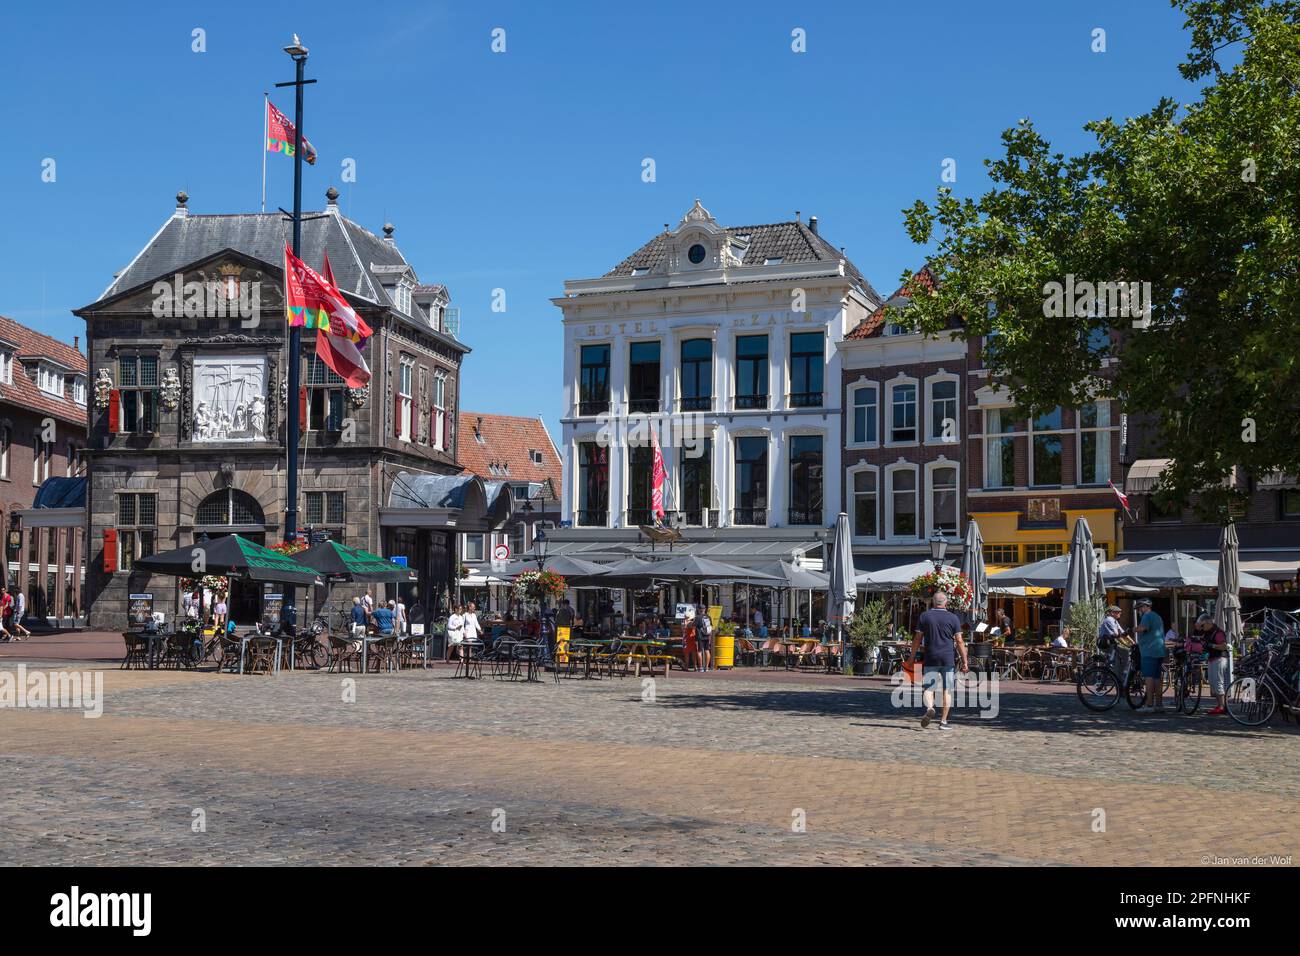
850,475
405,388
888,423
440,406
79,390
930,468
6,367
931,416
890,472
1063,433
6,441
1009,481
483,538
1103,433
874,388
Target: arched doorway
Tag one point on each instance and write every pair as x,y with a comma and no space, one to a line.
231,511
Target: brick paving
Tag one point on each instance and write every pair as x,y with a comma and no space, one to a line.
714,770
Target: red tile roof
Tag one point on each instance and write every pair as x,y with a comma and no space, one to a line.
506,443
874,324
23,391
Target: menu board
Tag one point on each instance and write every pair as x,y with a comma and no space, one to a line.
272,607
139,609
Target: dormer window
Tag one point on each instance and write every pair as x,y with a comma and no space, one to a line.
774,260
79,390
401,296
535,456
49,380
696,254
7,367
640,272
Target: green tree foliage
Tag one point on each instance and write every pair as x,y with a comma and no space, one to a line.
1202,201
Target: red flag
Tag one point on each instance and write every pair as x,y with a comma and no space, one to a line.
280,135
658,474
311,299
1123,498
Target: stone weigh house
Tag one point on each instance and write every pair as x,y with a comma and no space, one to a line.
189,405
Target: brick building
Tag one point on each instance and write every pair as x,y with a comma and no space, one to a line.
43,396
189,406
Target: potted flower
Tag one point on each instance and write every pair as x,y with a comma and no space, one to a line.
867,628
947,579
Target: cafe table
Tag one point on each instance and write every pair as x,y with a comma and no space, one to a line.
469,647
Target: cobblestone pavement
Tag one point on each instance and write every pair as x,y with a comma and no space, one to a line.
422,768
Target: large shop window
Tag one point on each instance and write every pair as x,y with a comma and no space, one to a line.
751,481
805,479
697,375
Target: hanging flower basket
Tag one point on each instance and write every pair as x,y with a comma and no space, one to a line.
215,583
539,585
950,580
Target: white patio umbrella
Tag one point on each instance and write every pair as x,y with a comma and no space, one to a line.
1227,609
1047,573
1082,573
893,579
1174,569
843,576
972,566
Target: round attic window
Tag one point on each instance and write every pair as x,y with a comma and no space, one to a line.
696,254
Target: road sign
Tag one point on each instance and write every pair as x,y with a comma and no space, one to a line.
501,552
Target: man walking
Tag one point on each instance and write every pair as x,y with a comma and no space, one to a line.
20,611
940,630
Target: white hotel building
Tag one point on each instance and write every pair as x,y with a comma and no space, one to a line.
733,330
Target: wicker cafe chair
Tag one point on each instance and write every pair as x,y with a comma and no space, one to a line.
261,656
228,651
342,654
383,654
137,651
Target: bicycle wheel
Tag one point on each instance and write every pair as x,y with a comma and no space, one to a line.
1098,687
1251,701
1190,696
1135,692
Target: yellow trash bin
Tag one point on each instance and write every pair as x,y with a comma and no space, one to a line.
724,651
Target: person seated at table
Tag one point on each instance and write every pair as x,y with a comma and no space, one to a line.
359,617
1062,639
385,617
663,631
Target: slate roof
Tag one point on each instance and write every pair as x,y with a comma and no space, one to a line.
24,391
874,324
788,241
357,256
506,442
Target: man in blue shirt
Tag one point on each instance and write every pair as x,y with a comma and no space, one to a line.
1150,633
384,618
941,630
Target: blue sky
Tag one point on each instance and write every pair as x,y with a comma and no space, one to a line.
518,170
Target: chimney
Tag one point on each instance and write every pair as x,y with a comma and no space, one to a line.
76,342
388,234
812,224
182,198
332,200
796,216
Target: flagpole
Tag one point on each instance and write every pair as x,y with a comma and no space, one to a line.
299,54
266,114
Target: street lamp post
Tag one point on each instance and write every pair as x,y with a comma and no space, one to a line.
938,548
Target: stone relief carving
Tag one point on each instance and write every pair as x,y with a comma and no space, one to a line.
358,396
103,388
230,402
170,391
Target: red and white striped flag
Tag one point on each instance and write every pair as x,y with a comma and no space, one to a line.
1123,498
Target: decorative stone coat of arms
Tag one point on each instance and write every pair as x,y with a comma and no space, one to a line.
170,391
103,388
358,396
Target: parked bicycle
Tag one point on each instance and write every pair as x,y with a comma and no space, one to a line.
1268,679
1100,683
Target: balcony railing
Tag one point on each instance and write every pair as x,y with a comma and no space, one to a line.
593,407
749,516
696,518
805,399
643,406
804,516
751,401
593,518
697,403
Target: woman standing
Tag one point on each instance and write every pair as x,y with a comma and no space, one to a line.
455,631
